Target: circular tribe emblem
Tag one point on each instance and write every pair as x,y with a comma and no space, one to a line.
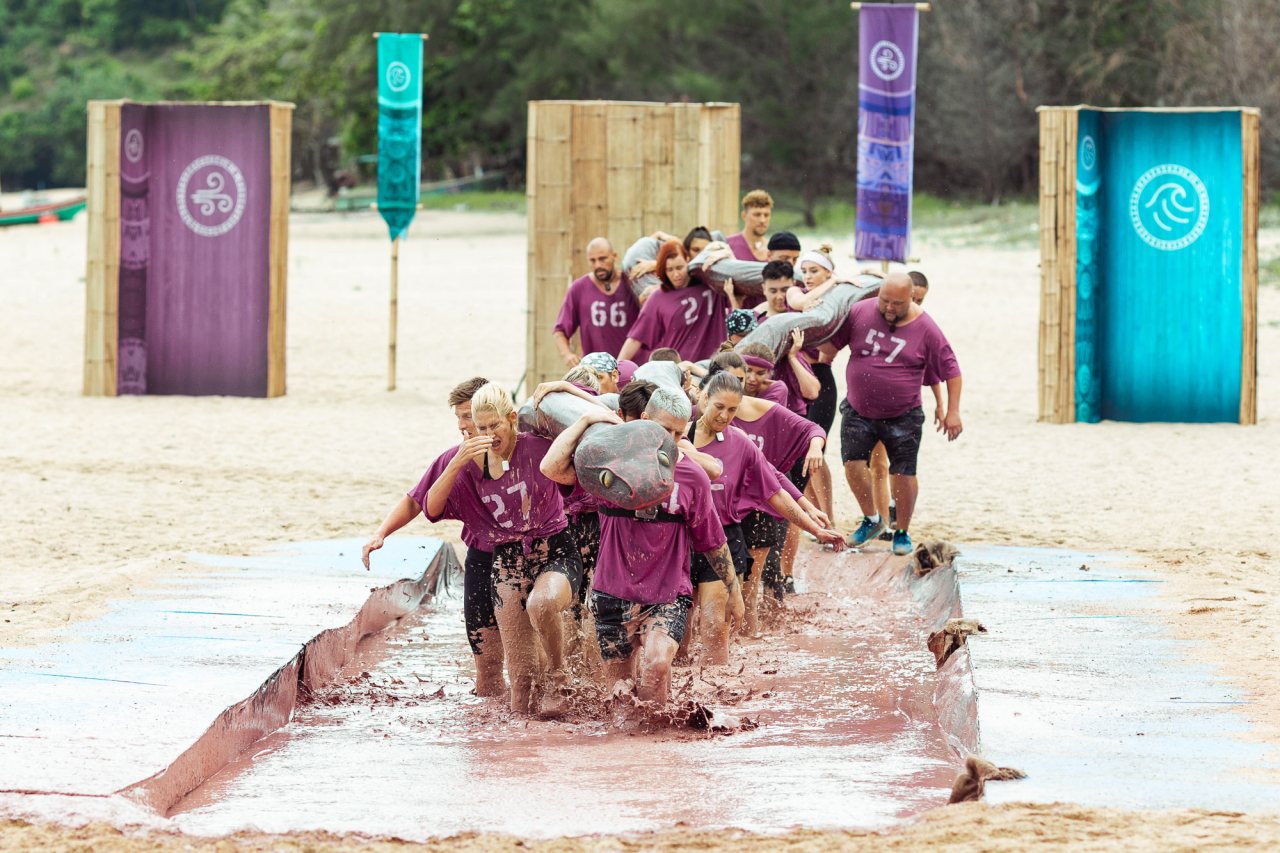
1088,153
133,145
887,61
398,76
1169,207
211,195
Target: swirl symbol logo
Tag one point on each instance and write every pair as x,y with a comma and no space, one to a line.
216,204
887,61
1088,153
1169,207
133,145
398,76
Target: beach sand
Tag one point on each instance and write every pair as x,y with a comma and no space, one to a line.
101,495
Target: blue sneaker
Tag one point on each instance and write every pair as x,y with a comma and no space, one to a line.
866,531
901,543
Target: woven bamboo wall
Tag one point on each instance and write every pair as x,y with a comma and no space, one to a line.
1057,264
619,170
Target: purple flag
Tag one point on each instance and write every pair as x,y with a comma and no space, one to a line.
194,266
887,36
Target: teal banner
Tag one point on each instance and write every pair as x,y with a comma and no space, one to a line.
1158,299
399,128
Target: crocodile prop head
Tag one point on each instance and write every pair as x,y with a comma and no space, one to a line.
629,465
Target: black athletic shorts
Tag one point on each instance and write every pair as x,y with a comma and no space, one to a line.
621,625
822,410
556,553
762,530
700,566
797,475
477,595
901,437
584,527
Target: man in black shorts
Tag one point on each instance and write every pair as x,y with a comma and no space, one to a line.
893,344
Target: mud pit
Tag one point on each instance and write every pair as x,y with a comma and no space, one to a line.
843,699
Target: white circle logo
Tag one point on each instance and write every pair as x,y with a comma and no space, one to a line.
887,61
217,202
133,145
1088,153
398,76
1169,207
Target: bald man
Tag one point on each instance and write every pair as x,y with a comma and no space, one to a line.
600,305
893,345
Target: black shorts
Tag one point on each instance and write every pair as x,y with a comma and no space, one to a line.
584,527
822,410
797,475
700,566
513,567
477,595
620,623
901,437
762,530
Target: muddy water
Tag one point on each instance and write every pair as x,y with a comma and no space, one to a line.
841,695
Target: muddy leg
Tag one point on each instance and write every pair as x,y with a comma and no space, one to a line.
751,588
819,488
713,630
655,666
880,480
858,476
517,641
905,490
489,663
789,548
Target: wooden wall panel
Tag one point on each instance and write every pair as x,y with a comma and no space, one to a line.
102,267
1249,128
281,118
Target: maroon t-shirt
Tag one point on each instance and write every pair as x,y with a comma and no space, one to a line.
741,248
648,561
603,320
747,480
521,505
888,365
776,393
690,320
782,435
418,493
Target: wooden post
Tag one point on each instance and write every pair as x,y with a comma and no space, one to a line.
395,288
102,268
281,118
1249,122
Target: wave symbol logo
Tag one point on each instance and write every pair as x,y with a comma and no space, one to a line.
1169,207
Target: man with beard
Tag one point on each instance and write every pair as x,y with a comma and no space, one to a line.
600,305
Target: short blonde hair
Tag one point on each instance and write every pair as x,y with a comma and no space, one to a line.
582,374
757,198
492,398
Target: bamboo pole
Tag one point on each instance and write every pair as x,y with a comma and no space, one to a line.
395,306
920,7
1249,126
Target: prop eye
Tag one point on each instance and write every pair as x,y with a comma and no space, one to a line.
663,458
606,479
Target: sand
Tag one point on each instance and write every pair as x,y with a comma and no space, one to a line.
100,495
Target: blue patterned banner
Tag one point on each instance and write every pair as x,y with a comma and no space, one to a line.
886,130
399,128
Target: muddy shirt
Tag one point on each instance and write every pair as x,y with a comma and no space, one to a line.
521,505
419,496
747,480
782,435
603,320
648,561
690,320
887,365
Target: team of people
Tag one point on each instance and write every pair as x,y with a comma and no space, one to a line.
750,475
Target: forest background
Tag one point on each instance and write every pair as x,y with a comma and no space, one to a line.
985,65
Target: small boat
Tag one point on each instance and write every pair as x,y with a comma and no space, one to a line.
57,211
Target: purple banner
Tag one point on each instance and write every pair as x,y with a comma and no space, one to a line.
886,130
195,244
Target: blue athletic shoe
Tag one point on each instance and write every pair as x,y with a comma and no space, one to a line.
866,531
901,543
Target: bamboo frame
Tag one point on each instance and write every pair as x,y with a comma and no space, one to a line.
620,169
102,265
1058,130
102,268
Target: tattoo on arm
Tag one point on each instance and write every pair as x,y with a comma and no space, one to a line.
722,564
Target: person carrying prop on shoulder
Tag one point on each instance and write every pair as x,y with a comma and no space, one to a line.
477,578
893,346
494,483
641,593
599,306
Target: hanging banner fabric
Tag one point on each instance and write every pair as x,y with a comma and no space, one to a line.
399,128
886,130
1168,315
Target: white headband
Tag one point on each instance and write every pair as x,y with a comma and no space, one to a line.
819,259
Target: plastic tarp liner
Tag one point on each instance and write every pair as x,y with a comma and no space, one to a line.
1167,299
629,465
818,323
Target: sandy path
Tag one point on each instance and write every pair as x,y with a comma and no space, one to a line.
101,494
